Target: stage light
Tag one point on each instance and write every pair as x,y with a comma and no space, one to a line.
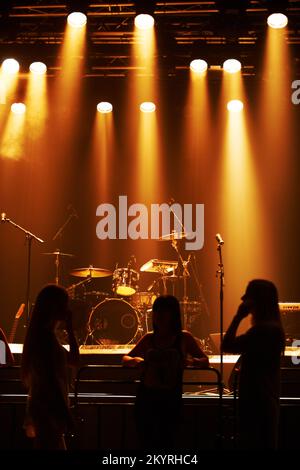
144,21
198,66
232,66
10,66
77,19
104,107
277,20
38,68
235,106
18,108
147,107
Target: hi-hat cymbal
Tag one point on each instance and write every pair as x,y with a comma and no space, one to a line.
58,253
91,272
173,236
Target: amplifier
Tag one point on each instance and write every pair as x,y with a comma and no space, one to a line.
290,315
289,307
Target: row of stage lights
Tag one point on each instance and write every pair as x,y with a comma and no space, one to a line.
77,19
142,21
12,66
104,107
146,21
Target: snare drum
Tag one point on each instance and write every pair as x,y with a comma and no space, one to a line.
125,281
113,321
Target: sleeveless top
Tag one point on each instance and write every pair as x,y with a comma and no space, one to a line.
163,370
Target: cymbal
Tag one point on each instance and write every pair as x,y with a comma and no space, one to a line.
58,253
158,266
91,272
173,236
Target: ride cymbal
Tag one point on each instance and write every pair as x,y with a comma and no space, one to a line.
91,272
58,253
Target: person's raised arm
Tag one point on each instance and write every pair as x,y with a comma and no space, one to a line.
230,343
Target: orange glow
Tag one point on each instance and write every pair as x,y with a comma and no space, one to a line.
197,129
71,64
102,153
67,92
142,136
8,79
12,142
275,106
275,142
36,100
99,174
242,220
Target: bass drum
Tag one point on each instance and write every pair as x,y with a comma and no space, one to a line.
113,321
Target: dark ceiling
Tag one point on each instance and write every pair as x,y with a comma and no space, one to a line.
215,30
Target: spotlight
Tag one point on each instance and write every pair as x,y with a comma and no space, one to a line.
18,108
235,106
38,68
198,66
144,21
147,107
144,13
104,107
10,66
277,20
77,19
232,66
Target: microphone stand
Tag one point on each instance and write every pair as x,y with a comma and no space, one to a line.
29,237
59,235
220,275
62,228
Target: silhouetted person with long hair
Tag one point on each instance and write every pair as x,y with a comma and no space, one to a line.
259,376
45,369
162,355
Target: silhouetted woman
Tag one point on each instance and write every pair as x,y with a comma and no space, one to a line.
162,354
259,377
45,369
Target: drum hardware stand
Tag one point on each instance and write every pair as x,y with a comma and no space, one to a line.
59,234
29,237
182,267
80,283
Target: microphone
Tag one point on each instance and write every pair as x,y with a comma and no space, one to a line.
73,211
3,217
219,239
171,201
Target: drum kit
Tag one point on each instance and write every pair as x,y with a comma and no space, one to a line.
123,316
